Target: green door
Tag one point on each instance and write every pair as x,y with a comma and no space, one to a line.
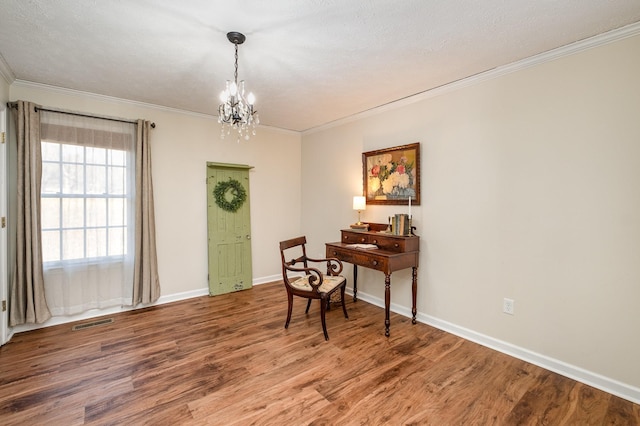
229,228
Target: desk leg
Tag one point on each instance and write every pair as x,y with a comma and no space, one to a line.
414,291
387,302
355,282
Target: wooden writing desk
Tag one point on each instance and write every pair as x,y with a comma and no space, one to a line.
394,252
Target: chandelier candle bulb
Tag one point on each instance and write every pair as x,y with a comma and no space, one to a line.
409,205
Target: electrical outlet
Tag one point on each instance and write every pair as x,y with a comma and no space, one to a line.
507,306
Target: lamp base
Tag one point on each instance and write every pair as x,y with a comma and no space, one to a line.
363,226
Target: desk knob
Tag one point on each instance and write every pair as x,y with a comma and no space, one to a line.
362,240
396,245
375,263
375,241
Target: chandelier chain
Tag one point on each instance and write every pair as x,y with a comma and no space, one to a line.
235,74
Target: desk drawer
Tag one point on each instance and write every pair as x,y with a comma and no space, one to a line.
370,260
366,258
386,243
355,238
343,255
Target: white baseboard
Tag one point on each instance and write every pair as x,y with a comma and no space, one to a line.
266,280
93,313
614,387
64,319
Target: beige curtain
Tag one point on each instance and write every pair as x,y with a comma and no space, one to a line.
146,285
27,302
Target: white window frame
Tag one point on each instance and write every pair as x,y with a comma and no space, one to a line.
85,195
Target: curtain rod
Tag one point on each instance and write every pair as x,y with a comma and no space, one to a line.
15,106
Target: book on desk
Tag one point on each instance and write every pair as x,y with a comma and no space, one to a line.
363,246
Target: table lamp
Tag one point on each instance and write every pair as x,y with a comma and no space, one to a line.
359,204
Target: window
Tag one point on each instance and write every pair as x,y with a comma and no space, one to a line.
87,212
84,203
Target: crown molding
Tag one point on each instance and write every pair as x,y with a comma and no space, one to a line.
551,55
104,98
6,72
121,101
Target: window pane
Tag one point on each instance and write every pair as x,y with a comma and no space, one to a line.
116,180
72,153
96,180
50,151
96,242
72,212
72,244
96,212
78,221
117,212
116,157
72,179
50,178
50,214
96,155
50,246
116,242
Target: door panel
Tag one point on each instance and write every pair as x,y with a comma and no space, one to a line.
229,233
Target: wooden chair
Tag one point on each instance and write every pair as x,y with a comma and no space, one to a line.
309,282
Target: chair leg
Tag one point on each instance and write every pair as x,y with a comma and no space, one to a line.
290,298
323,308
308,305
344,308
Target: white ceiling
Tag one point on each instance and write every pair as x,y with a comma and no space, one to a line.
309,62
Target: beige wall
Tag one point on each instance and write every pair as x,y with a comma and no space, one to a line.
181,146
529,191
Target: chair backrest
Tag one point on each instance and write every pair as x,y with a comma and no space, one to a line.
296,247
296,250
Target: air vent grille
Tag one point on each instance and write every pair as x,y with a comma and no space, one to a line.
92,324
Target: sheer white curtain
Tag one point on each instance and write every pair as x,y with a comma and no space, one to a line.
88,218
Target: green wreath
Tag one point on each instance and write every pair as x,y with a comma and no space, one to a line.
237,190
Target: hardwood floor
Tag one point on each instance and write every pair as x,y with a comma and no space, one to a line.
228,360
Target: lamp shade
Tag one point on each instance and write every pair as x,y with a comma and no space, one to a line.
359,203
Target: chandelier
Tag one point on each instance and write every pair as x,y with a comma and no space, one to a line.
236,112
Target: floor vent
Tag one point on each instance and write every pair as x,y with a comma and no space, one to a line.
92,324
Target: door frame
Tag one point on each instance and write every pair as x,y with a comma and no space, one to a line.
213,168
4,272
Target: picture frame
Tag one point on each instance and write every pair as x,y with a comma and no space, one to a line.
391,176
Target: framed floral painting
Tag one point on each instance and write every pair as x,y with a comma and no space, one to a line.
392,175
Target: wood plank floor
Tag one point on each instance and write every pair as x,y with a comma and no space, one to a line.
227,360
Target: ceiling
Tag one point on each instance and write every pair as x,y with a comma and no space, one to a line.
309,62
